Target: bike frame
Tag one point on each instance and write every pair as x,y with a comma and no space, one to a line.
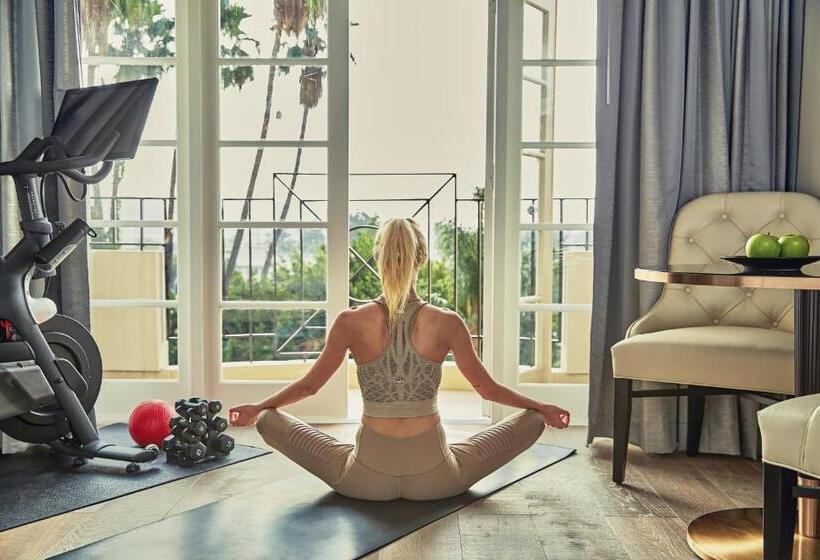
16,272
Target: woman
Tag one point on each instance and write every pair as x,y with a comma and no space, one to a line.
399,343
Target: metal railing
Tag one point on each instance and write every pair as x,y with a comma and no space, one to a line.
442,189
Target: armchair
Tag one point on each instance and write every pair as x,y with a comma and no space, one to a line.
713,340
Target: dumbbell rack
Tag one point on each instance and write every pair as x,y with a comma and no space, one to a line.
196,434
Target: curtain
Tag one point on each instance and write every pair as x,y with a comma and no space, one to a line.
694,97
39,61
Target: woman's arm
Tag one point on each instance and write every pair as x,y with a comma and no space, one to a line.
471,367
323,368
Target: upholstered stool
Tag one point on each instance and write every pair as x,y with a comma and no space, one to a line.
790,432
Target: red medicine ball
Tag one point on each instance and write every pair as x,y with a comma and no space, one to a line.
149,422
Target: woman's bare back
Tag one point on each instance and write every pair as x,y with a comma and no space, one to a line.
369,338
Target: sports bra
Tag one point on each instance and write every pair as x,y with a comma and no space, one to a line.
400,383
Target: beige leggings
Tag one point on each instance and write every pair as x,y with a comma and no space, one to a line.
380,467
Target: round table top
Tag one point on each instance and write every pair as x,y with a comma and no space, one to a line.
725,274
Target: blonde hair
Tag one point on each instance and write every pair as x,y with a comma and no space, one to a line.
400,250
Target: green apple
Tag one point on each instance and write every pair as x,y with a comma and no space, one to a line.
793,245
762,246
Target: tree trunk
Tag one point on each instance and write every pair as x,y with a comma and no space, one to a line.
263,134
284,213
116,179
169,232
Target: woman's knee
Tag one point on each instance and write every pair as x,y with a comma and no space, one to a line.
531,425
273,426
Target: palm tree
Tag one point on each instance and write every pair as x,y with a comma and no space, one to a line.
292,17
310,90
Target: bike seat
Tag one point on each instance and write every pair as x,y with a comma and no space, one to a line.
15,352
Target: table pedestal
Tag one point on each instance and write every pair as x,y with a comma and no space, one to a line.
737,534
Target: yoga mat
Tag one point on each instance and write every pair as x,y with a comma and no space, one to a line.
298,517
35,485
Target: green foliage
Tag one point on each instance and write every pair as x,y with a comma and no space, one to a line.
141,28
291,279
364,285
469,264
230,21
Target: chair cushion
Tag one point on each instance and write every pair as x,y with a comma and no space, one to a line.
735,357
790,433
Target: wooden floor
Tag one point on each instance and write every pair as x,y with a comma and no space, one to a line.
567,511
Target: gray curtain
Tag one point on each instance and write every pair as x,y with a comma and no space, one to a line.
694,97
39,60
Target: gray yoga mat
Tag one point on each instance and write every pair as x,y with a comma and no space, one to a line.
35,485
297,517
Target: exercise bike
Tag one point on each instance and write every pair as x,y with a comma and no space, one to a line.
50,366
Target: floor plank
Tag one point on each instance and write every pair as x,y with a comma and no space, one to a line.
438,541
575,534
500,537
739,479
649,538
687,491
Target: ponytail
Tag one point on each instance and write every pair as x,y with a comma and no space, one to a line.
400,250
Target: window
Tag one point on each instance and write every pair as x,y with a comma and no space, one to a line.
134,260
273,185
557,189
220,243
231,190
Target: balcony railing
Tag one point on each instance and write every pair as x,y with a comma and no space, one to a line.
453,277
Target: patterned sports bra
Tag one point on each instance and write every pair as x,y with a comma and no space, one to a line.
400,383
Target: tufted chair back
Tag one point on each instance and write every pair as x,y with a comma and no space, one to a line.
718,225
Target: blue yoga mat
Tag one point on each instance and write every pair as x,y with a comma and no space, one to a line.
298,517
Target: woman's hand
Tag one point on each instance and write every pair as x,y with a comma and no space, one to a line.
244,414
554,416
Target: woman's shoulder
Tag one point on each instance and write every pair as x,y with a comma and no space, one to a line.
439,313
363,311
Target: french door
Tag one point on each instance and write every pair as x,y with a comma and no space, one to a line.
292,225
543,200
222,255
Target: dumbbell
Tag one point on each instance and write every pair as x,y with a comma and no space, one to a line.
187,407
224,443
195,451
197,425
219,424
181,460
189,436
169,443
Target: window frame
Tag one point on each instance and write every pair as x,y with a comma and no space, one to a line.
507,301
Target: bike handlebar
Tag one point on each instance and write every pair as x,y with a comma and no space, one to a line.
29,162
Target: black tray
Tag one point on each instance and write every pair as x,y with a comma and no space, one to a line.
779,265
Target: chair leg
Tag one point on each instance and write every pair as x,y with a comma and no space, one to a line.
620,440
779,512
695,403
